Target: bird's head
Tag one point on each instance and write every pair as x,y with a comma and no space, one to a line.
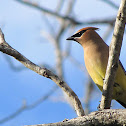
82,35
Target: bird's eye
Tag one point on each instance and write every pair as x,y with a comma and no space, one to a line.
79,33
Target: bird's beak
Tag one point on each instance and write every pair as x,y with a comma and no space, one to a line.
71,38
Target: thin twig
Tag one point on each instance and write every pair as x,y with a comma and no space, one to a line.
59,5
36,6
22,68
72,20
107,32
111,3
57,45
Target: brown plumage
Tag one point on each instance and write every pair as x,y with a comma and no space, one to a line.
96,53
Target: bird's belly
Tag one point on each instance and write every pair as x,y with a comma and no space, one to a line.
96,70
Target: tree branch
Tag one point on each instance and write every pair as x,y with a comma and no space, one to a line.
66,17
108,117
111,3
6,48
114,53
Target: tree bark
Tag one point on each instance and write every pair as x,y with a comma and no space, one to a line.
107,117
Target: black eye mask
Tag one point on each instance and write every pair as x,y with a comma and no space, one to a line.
78,34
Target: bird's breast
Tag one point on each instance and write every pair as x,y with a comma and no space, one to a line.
96,63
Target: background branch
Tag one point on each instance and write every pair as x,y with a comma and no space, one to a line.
25,107
109,2
6,48
72,20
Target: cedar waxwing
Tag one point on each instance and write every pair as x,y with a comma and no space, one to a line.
96,53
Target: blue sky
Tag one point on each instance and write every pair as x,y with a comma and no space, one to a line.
22,26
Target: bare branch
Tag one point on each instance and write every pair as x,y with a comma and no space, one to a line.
114,53
72,20
6,48
70,7
111,4
21,68
12,115
59,5
57,45
107,32
28,3
108,117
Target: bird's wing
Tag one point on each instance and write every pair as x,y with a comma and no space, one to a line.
122,67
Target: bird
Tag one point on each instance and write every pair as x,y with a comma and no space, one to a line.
96,53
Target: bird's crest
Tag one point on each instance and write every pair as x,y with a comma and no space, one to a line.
87,28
